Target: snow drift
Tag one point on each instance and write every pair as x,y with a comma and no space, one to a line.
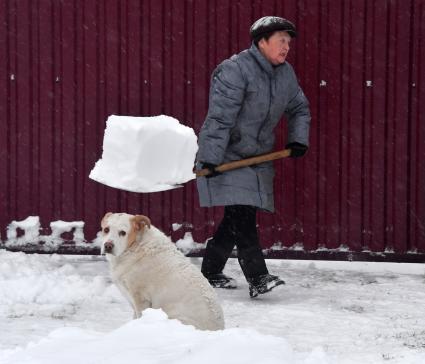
140,340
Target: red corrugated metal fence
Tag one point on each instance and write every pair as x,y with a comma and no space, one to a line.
66,65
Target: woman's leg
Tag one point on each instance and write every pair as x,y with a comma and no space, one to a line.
250,254
220,246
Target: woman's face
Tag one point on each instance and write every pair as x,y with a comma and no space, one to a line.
276,48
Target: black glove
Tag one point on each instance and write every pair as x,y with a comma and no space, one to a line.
211,168
297,149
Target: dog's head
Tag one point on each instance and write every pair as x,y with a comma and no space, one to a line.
120,231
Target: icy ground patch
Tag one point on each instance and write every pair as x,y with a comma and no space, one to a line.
63,308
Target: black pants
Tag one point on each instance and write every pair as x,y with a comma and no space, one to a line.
238,227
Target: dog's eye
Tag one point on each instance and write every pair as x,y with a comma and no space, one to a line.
106,230
122,233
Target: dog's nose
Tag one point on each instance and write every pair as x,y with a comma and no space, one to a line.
108,246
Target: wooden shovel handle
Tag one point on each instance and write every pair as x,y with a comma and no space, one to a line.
245,162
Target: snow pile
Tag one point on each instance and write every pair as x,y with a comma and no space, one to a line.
59,227
140,340
31,227
146,154
188,245
44,286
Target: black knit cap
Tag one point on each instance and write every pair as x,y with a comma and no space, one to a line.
268,24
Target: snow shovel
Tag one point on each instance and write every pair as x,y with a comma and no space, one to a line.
152,154
245,162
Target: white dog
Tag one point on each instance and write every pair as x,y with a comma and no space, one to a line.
151,272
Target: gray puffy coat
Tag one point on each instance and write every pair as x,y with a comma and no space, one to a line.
248,97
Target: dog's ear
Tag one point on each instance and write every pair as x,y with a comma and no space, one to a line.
140,221
103,222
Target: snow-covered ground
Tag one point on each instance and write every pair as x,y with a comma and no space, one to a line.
64,309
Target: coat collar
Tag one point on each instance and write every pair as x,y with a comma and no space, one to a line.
262,61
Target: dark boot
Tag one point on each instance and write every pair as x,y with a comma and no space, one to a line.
220,280
263,284
215,257
251,260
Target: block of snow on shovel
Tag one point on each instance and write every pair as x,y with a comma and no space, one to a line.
149,154
146,154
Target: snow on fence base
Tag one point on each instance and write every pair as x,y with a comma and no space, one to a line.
30,241
70,248
67,247
336,255
25,236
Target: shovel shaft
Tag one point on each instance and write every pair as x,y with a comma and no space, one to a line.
245,162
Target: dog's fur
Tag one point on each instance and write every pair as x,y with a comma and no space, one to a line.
151,272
